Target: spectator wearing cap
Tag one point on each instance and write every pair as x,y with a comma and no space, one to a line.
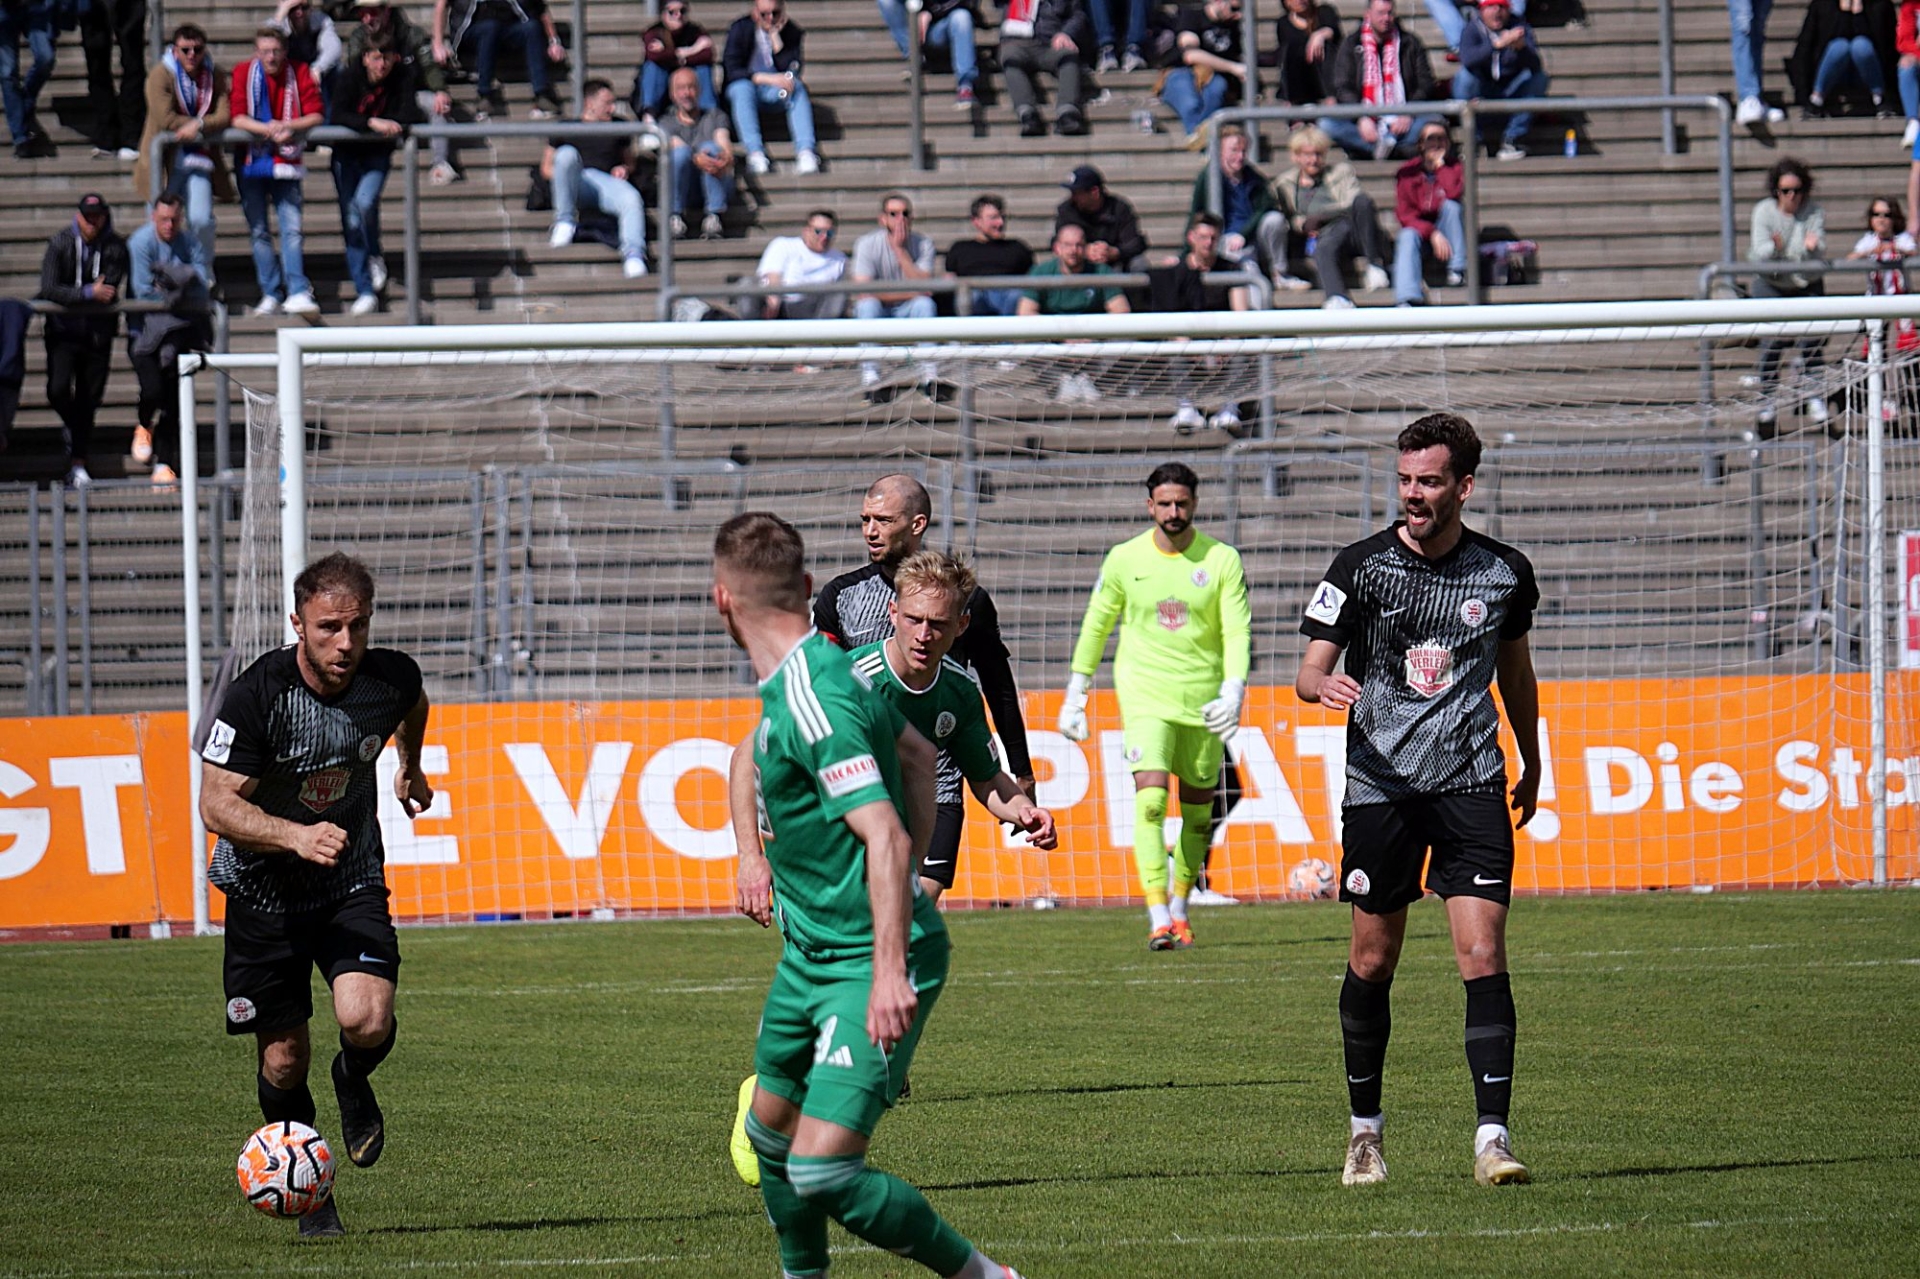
944,24
1208,44
311,40
377,99
414,44
990,252
1499,60
1426,198
85,269
118,114
807,258
166,266
277,102
1452,20
763,65
187,99
1381,64
484,24
1045,35
32,21
674,42
1253,224
1113,236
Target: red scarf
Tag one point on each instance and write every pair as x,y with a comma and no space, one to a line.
1380,69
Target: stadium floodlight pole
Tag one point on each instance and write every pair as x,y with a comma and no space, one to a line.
1877,595
190,584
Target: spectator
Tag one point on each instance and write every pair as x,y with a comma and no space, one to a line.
187,98
15,317
1183,287
675,41
1907,69
1253,225
893,253
597,172
312,40
807,258
277,102
1381,64
1070,258
1748,18
1453,24
85,267
117,116
415,47
1788,227
1101,13
1888,242
1843,40
483,24
1112,228
1426,196
698,145
165,266
377,98
1499,60
1331,220
944,24
1208,45
1307,37
990,252
762,62
1044,35
31,20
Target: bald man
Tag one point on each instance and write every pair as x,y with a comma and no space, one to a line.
851,610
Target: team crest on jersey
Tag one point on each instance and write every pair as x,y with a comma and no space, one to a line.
1173,614
1200,577
369,747
1133,754
322,790
240,1010
1429,669
1474,612
945,724
1358,884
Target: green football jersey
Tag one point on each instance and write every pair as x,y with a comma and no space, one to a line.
948,713
826,746
1185,625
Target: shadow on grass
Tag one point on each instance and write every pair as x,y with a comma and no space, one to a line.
1143,1174
559,1223
1744,1165
1077,1090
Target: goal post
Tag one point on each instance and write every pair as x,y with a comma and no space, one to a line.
543,496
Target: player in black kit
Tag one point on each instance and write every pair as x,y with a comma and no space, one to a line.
288,777
1429,613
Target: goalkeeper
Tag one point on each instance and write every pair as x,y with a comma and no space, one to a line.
1181,675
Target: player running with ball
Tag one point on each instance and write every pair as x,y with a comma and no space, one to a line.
1429,613
1181,675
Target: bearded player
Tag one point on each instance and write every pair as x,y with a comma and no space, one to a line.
1181,675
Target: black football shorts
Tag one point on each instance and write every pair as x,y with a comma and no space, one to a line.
270,957
1384,846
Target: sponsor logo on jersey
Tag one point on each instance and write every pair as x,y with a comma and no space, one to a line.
945,724
1474,613
322,790
1358,884
1326,603
219,743
369,748
1429,669
1200,577
849,775
1173,614
240,1009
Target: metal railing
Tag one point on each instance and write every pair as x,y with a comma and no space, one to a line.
1468,113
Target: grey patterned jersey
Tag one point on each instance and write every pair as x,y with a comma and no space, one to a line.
313,759
1422,638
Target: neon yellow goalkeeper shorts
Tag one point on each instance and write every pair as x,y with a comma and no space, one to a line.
1188,751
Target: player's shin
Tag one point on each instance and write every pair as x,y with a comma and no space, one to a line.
1190,854
1150,849
280,1104
361,1062
800,1225
1366,1021
1490,1034
881,1209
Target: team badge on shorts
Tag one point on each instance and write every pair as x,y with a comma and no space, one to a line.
240,1010
1200,577
1173,614
369,747
322,790
1429,669
1358,884
1474,613
943,726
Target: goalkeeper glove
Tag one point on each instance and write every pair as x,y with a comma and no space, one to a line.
1073,708
1222,714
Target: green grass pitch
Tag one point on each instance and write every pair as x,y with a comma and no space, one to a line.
1706,1085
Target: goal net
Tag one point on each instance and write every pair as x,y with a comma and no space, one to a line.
540,523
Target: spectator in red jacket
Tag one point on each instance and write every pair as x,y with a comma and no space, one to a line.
1426,195
277,102
675,41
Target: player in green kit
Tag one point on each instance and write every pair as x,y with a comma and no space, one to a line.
937,696
1180,671
835,780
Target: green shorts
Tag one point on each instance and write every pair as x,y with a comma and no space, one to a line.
1188,751
813,1048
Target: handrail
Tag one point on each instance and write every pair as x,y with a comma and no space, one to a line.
964,286
1810,266
1668,143
156,29
576,56
1468,113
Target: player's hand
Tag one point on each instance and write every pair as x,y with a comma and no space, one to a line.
1222,714
1038,825
321,844
411,789
1339,691
1526,797
1073,709
753,888
890,1007
1026,783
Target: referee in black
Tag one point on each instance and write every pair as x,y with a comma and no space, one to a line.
1429,613
288,785
851,610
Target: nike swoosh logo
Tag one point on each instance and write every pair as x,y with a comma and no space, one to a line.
1385,613
1495,1079
365,958
281,759
1483,881
1363,1079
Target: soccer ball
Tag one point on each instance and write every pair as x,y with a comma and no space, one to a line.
286,1169
1312,878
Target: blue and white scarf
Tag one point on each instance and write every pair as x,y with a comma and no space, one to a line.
265,159
194,93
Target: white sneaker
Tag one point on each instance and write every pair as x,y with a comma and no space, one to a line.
1377,279
1291,283
301,304
377,271
1366,1163
1208,897
126,155
561,235
77,477
757,162
265,306
1227,419
142,450
677,227
443,174
1912,132
1089,393
1750,111
1510,151
806,162
634,268
1337,304
1776,116
365,304
1817,410
1494,1165
1186,419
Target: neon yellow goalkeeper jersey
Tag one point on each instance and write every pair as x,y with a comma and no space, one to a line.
1185,625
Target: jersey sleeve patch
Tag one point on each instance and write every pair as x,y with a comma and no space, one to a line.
846,776
219,743
1326,604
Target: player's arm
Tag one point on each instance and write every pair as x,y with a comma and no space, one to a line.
1103,610
891,1001
987,653
410,784
230,814
1520,691
1007,800
1222,714
919,765
1319,682
753,877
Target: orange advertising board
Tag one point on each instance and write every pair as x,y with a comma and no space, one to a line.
574,807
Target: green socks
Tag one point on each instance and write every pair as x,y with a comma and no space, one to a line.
1190,855
800,1224
881,1209
1150,842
